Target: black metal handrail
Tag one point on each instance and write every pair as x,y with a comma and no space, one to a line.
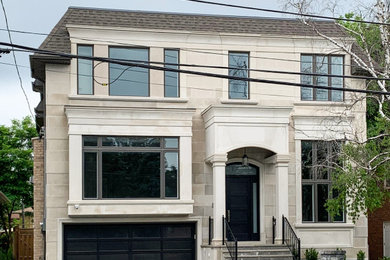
211,229
273,229
291,239
231,240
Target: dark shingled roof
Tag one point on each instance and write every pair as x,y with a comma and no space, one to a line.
58,39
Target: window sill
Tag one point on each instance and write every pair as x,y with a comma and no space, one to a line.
111,208
324,225
238,101
322,103
128,99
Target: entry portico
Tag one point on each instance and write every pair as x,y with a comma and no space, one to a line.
231,129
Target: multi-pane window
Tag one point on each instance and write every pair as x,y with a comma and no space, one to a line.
238,67
171,78
318,159
129,80
84,71
323,65
130,167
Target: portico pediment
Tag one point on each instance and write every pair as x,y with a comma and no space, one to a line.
229,127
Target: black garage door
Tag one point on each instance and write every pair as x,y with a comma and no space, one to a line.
129,241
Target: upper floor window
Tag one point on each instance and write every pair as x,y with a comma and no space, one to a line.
130,167
317,159
128,80
238,67
84,71
322,64
171,79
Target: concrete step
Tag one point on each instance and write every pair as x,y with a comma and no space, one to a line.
269,252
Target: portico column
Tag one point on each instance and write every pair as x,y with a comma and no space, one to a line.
218,162
280,163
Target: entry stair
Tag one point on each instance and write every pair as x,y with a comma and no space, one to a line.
260,252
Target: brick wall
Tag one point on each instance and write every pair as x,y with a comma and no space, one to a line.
38,146
375,230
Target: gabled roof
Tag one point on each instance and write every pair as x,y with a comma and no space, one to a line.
58,39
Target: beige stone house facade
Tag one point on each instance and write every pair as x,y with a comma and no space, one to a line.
137,160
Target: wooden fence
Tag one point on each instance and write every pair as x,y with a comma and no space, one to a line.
23,243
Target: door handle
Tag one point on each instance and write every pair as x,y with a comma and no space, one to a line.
228,215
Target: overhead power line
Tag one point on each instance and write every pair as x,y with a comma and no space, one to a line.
16,64
194,50
256,70
287,12
199,73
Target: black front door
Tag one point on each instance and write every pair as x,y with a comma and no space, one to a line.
242,201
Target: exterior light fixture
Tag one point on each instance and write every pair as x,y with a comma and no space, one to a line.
245,161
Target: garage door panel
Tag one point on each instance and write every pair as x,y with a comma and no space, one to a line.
81,246
146,245
114,245
155,256
121,256
146,231
129,241
81,257
113,232
175,244
177,256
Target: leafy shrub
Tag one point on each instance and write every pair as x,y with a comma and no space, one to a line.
361,255
311,254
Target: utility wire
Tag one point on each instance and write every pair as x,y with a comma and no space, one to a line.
287,12
202,51
16,64
257,70
152,83
153,67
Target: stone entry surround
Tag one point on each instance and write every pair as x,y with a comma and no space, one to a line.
230,127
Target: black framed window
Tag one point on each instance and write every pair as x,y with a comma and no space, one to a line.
128,80
171,79
238,67
317,160
322,64
130,167
85,70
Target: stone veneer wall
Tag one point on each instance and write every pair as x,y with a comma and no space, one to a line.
39,203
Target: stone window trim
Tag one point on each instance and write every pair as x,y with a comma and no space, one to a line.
316,179
329,79
230,81
78,69
99,149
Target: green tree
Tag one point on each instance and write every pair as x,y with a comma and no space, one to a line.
16,167
359,177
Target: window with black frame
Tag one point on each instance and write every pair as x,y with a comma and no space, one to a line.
85,70
318,159
130,167
129,80
238,67
322,65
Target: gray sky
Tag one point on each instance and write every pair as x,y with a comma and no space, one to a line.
42,15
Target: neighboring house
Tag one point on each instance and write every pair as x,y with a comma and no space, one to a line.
137,160
3,198
379,232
